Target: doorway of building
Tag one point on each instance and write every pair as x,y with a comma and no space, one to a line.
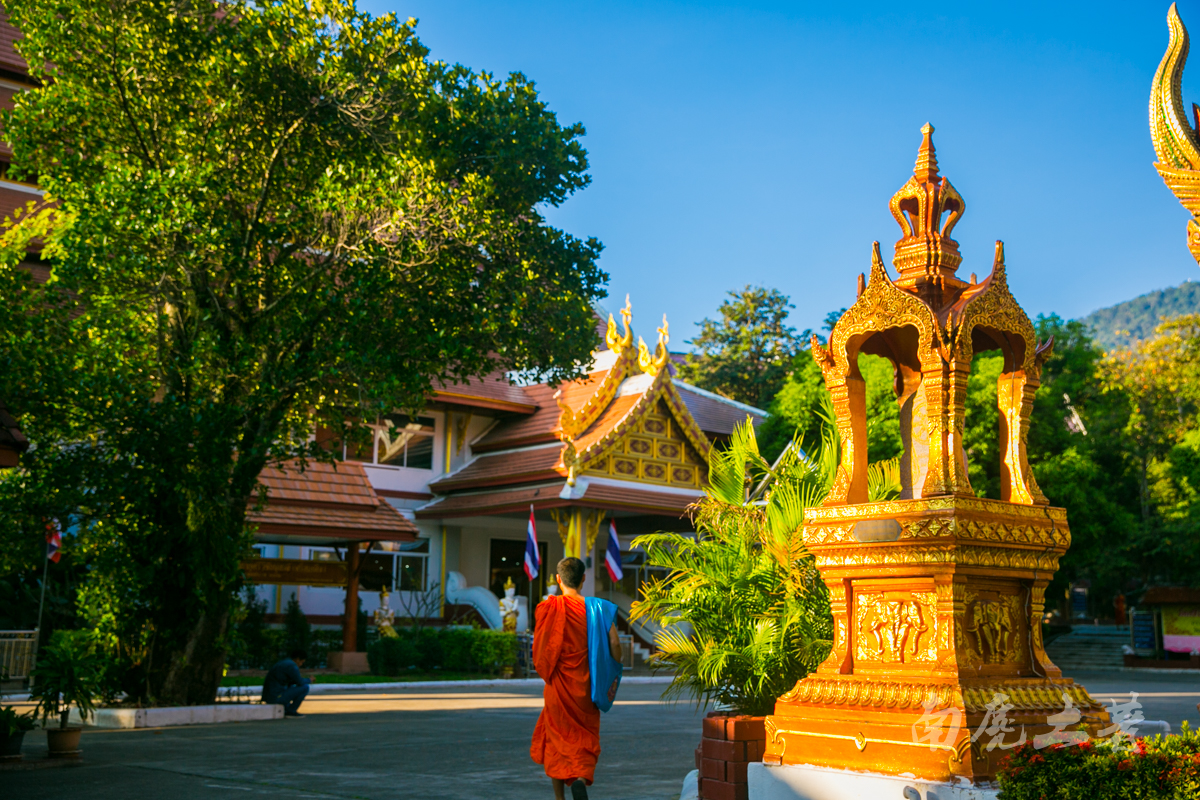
508,561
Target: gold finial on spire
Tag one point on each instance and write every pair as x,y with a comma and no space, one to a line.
652,365
926,256
926,170
612,338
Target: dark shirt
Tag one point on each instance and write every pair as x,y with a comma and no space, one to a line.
284,674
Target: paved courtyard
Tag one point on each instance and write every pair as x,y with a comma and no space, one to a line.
420,743
464,743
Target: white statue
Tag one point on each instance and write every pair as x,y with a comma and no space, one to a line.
385,617
509,610
551,590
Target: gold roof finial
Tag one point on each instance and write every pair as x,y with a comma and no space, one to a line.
926,256
926,170
612,338
652,365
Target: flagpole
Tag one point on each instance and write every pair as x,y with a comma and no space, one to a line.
42,602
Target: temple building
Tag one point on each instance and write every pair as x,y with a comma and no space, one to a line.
626,446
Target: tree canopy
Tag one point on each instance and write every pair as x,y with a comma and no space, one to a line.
264,217
745,355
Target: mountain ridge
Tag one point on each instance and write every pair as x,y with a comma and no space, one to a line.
1125,324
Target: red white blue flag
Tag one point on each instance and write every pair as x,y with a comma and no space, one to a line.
533,557
53,541
612,556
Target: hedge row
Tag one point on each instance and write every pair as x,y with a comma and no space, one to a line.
1159,768
450,649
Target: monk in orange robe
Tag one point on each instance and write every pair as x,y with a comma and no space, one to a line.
566,739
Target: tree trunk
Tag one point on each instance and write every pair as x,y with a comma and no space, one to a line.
190,674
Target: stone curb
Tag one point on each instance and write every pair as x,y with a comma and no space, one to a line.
320,688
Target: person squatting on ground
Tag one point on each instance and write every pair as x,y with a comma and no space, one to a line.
285,685
578,655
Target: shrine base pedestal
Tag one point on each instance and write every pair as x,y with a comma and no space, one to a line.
804,782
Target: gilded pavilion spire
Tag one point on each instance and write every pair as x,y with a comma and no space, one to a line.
926,256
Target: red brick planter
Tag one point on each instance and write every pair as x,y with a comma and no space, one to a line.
730,745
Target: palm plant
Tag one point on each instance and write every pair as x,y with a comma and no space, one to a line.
69,673
743,610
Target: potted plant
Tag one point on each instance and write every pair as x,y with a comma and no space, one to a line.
67,674
743,611
12,732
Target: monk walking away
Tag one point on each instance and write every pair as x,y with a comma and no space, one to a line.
578,654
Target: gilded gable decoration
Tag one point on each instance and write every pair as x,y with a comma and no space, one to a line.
572,423
653,364
1176,143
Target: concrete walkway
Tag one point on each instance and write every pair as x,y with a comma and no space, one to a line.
462,743
401,744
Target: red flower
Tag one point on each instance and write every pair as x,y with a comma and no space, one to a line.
1124,764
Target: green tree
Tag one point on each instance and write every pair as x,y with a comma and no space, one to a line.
746,355
267,216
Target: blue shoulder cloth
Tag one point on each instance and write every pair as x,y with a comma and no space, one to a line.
606,671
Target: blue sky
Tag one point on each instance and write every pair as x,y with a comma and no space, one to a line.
760,142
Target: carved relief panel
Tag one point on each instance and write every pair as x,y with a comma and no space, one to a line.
992,629
895,623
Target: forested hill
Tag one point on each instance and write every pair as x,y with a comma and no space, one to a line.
1129,322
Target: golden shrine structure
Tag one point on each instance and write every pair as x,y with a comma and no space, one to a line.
937,596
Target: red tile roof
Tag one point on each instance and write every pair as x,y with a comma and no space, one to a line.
384,523
493,391
604,496
9,58
320,485
617,410
326,502
716,416
12,441
520,466
542,425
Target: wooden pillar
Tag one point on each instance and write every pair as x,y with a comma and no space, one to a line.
350,621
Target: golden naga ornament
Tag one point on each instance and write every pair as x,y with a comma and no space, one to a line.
937,596
1176,143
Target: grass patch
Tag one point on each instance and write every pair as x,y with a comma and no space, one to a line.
251,680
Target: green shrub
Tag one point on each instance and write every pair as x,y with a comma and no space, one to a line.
11,722
492,651
430,655
1159,768
456,649
392,656
448,649
299,632
69,673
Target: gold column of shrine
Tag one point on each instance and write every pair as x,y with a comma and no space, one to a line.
937,596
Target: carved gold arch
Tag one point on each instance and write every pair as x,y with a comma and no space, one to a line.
994,307
880,307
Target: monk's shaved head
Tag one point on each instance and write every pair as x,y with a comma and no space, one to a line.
571,571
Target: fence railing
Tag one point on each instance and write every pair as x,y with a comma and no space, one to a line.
18,654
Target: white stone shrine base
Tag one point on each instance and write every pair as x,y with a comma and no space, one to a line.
803,782
180,715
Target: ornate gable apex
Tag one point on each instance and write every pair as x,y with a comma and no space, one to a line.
647,435
573,422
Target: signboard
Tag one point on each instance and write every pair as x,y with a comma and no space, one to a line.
1181,628
1144,640
295,572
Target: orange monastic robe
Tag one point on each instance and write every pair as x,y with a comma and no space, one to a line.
566,740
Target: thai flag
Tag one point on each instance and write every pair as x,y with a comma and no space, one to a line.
53,541
533,557
612,557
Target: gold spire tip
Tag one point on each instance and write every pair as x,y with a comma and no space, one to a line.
926,170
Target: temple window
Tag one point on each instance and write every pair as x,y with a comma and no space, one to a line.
400,440
414,560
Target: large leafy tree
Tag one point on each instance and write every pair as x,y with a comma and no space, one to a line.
747,353
266,216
